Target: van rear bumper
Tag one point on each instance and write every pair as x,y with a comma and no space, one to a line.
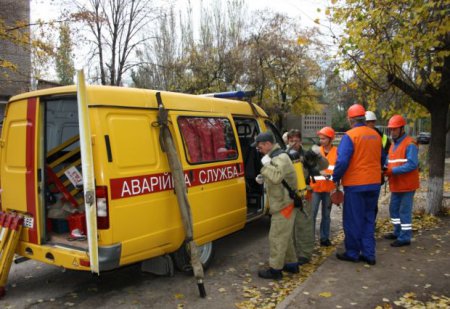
109,256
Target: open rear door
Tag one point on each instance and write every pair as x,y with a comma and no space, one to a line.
87,166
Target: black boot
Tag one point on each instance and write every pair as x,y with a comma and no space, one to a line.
345,257
398,243
367,260
271,273
325,243
390,236
291,268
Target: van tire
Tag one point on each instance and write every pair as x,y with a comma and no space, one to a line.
182,258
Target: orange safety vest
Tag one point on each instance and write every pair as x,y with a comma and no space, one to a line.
322,183
365,165
402,182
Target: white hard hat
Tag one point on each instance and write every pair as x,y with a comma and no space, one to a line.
370,116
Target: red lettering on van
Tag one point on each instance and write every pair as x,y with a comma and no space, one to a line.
146,184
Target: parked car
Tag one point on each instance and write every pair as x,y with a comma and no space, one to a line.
424,138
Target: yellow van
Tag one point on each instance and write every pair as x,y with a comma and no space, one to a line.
136,216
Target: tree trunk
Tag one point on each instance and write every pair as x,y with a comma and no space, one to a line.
437,157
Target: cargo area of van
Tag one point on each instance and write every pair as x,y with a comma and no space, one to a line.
64,218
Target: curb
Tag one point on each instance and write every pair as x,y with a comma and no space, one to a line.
288,300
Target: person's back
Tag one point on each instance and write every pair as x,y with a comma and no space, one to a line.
359,166
365,165
278,195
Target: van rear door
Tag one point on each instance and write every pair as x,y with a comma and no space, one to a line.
19,173
87,164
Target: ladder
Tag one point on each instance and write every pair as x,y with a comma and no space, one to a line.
57,165
11,227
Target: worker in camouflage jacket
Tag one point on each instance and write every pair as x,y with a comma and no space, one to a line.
277,166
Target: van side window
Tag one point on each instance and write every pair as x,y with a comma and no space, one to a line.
207,139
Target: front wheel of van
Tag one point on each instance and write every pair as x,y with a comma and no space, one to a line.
182,257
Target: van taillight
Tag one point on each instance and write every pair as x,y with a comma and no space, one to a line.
101,194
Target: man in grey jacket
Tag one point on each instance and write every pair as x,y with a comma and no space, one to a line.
277,166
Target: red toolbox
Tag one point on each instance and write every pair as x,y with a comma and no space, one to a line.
77,221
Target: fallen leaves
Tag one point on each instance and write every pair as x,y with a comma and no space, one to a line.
420,222
409,300
275,292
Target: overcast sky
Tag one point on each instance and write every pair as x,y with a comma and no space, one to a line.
306,10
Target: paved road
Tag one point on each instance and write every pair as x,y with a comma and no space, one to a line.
37,285
238,257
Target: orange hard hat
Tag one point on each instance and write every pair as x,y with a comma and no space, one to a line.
327,131
356,110
396,121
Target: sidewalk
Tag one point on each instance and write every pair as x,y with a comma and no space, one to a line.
422,268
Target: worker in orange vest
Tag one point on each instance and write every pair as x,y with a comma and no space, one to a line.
403,173
323,185
358,164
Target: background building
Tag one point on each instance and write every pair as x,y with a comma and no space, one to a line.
14,82
309,124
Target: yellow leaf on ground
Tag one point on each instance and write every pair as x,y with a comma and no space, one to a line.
325,294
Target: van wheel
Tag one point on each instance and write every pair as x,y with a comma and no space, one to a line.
182,257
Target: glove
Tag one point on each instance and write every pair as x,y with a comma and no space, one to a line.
308,195
388,172
259,179
337,185
315,149
266,160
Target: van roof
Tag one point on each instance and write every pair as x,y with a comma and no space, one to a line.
143,98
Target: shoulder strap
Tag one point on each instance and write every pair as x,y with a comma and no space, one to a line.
285,184
277,152
274,154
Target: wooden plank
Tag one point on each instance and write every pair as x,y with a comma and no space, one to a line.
66,144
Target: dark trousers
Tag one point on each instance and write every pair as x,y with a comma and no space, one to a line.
359,223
